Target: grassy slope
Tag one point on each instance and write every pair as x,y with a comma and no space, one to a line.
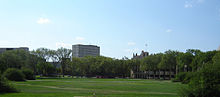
101,88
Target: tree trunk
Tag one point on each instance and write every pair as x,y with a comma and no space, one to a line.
164,74
170,74
176,69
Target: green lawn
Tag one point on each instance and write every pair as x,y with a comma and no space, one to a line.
100,87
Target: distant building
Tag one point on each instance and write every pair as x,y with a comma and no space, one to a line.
8,49
142,55
80,50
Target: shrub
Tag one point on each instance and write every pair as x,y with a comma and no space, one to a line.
14,74
188,77
5,86
204,83
29,74
183,77
180,77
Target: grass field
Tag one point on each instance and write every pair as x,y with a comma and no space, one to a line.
99,87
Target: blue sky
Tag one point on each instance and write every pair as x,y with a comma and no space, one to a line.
119,27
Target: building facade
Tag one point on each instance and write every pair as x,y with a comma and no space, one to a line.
8,49
142,55
80,50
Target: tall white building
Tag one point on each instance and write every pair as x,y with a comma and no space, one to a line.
80,50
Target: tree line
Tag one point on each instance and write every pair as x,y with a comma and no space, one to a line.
173,62
47,62
200,70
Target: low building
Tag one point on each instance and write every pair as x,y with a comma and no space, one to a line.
80,50
8,49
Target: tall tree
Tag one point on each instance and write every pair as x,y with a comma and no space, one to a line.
63,55
183,61
42,52
169,60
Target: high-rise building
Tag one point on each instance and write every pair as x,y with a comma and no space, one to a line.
7,49
80,50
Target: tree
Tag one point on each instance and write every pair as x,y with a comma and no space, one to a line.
46,69
42,52
53,55
169,61
63,55
205,81
10,60
151,63
196,60
134,65
32,62
183,61
74,66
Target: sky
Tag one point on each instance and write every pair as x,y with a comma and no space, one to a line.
119,27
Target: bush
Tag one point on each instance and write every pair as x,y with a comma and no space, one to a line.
5,86
183,77
29,74
14,74
188,77
185,92
204,83
180,77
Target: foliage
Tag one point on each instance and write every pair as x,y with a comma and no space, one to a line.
180,77
46,69
14,74
206,81
29,74
63,55
183,77
184,60
169,61
5,86
151,63
18,59
39,61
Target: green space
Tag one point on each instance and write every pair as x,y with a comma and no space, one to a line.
197,70
92,87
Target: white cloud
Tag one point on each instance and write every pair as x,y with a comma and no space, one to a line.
188,5
79,38
191,3
61,44
131,43
43,21
169,30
